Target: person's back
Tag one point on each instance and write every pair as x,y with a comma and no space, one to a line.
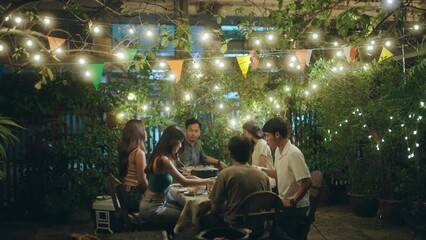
238,182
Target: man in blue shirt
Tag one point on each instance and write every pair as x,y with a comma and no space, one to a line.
193,153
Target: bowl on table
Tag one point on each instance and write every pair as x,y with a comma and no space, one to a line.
204,171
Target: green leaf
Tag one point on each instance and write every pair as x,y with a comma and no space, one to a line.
219,20
224,48
175,43
164,42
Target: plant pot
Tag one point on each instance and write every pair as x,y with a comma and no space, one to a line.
363,205
391,211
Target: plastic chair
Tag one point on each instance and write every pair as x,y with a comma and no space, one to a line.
259,212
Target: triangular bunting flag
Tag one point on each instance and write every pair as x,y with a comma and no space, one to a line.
55,43
353,53
176,67
254,60
301,57
308,57
244,62
385,54
96,73
347,52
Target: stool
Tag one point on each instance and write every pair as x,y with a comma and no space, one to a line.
103,208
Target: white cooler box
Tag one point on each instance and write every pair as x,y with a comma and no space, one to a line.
103,215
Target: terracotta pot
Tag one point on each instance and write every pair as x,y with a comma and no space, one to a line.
363,205
391,211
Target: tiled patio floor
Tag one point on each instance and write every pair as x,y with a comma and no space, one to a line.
333,223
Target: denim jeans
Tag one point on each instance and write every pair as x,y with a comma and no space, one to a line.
133,198
155,209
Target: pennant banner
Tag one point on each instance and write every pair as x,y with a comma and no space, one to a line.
176,67
301,57
347,52
96,70
353,53
254,60
244,62
385,54
308,57
55,43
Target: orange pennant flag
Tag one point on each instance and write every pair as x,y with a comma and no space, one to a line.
176,67
301,56
55,43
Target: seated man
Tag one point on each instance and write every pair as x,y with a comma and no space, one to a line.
233,184
193,153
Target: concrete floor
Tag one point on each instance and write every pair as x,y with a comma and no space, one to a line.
332,223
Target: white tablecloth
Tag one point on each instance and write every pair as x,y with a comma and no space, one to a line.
188,225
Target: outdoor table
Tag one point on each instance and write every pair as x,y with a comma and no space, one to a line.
188,224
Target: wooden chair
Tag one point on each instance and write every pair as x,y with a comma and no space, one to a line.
314,196
259,212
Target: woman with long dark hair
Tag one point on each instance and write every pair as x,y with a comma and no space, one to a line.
261,153
161,171
133,162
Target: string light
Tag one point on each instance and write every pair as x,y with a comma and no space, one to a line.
291,64
167,109
314,86
131,96
120,115
120,55
82,61
187,97
339,53
388,43
221,106
87,74
149,33
172,76
315,36
287,89
18,20
96,29
277,106
29,43
162,64
37,57
144,107
271,99
422,104
292,58
415,132
268,64
417,145
216,87
370,48
131,31
1,47
233,123
270,37
402,125
47,21
257,42
298,67
205,36
335,44
416,27
58,50
390,117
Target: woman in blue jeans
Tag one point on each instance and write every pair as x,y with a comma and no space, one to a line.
161,171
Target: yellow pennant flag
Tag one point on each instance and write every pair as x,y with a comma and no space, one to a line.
55,43
385,54
176,67
244,62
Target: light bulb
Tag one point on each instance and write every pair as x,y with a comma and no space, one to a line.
315,36
1,47
196,65
416,27
257,42
58,50
149,33
268,64
314,86
96,29
162,64
47,21
29,43
131,31
293,58
205,36
18,20
131,97
82,61
187,97
338,53
388,43
270,37
167,109
144,107
335,44
37,57
87,74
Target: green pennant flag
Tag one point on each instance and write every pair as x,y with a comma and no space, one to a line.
96,70
131,52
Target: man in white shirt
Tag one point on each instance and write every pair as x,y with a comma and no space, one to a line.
292,174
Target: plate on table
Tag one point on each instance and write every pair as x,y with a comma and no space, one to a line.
191,193
176,185
183,190
103,197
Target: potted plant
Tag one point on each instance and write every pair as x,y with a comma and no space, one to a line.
6,137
